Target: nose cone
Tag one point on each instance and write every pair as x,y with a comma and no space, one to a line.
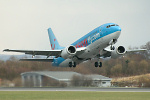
118,28
114,28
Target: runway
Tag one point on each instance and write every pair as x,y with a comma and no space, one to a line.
76,89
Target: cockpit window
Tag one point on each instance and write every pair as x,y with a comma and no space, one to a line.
111,25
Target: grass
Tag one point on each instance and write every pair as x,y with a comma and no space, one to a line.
58,95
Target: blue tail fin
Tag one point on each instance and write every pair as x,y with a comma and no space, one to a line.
53,41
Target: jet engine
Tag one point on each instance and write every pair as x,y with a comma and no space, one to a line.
119,51
68,52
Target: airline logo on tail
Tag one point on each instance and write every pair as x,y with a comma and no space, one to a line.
53,48
53,41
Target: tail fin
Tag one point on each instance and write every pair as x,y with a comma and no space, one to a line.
53,41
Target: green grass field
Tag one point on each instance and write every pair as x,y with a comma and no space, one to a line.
47,95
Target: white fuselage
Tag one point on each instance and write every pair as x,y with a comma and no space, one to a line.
94,48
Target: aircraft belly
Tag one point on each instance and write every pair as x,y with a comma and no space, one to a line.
65,63
92,50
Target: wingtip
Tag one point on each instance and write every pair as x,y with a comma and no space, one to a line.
5,50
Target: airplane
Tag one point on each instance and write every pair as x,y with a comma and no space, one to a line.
91,46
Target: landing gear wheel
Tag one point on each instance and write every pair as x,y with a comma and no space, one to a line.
100,64
70,64
96,64
74,65
112,48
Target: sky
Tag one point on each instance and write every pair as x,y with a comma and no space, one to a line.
24,23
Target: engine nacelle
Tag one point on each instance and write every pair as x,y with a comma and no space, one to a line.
68,52
119,51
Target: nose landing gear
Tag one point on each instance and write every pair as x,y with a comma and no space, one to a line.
112,47
113,41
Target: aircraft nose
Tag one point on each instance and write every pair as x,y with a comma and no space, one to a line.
118,28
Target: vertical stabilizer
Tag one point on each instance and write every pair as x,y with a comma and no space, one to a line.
53,41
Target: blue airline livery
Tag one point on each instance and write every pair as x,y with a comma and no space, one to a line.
91,46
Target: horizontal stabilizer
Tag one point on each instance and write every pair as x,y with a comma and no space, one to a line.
43,60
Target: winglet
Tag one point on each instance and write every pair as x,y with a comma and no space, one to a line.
53,41
5,50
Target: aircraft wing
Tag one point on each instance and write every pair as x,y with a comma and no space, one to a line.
47,53
136,50
37,52
107,52
80,50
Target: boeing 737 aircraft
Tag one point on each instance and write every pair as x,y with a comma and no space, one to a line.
92,45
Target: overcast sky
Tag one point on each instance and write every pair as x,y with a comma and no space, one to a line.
24,23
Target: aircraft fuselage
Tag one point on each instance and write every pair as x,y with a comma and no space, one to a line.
93,42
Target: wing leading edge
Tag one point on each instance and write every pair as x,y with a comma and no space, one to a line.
108,53
47,53
37,52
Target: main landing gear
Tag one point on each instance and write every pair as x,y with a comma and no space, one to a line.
98,64
72,64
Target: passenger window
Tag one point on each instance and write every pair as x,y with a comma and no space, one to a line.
108,26
113,25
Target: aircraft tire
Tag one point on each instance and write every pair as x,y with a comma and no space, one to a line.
70,64
112,48
100,64
96,64
74,65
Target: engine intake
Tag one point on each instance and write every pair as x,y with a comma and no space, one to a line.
68,52
119,51
71,49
